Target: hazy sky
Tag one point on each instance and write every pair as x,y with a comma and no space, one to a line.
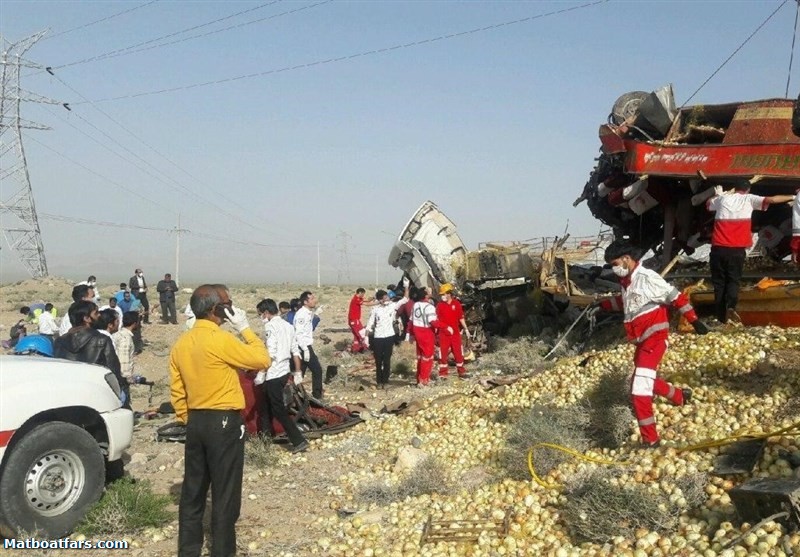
498,127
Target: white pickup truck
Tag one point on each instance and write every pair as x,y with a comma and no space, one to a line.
61,423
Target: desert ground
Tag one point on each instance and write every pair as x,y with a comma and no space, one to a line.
463,455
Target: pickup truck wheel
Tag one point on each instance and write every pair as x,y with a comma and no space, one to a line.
50,479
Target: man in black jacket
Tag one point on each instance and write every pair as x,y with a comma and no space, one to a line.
166,295
83,343
138,288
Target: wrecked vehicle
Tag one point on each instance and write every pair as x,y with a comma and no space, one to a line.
501,283
658,165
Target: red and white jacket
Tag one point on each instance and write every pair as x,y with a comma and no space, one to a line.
644,299
423,316
732,220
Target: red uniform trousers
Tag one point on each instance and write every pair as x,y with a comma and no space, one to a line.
645,384
794,245
426,343
254,406
358,341
448,342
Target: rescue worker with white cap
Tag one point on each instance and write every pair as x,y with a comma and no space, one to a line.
644,299
451,314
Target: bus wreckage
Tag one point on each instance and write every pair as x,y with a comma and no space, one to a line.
658,165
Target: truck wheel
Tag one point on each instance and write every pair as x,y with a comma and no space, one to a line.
50,479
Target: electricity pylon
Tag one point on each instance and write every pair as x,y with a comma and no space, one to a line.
18,219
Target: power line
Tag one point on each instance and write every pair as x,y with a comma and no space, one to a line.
76,220
157,152
736,51
791,51
204,235
112,16
107,179
353,56
130,49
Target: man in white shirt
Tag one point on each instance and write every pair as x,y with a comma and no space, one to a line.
107,323
92,283
304,331
80,292
112,304
47,323
381,326
279,336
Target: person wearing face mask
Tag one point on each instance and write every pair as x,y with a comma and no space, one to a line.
138,287
644,300
381,326
279,337
207,396
91,282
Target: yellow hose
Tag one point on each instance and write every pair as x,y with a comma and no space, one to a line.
789,431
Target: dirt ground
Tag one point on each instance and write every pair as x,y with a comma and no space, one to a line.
280,502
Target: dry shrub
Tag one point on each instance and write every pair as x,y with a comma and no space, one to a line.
543,424
597,510
427,477
510,357
403,368
342,344
259,451
608,407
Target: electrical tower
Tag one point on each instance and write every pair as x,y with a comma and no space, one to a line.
18,219
344,258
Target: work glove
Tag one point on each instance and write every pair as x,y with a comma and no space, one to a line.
237,318
406,282
306,354
297,377
700,328
408,337
718,190
366,341
449,330
261,376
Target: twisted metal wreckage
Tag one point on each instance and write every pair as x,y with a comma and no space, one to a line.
657,167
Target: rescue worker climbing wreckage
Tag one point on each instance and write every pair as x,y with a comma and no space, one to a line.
644,299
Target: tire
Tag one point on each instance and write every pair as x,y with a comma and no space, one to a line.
62,457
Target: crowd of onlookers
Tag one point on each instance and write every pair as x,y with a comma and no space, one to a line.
108,334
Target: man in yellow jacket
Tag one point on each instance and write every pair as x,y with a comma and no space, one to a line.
208,398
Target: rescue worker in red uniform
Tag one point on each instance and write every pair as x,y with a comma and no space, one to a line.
644,299
423,325
451,314
360,343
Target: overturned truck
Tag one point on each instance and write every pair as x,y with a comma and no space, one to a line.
501,283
